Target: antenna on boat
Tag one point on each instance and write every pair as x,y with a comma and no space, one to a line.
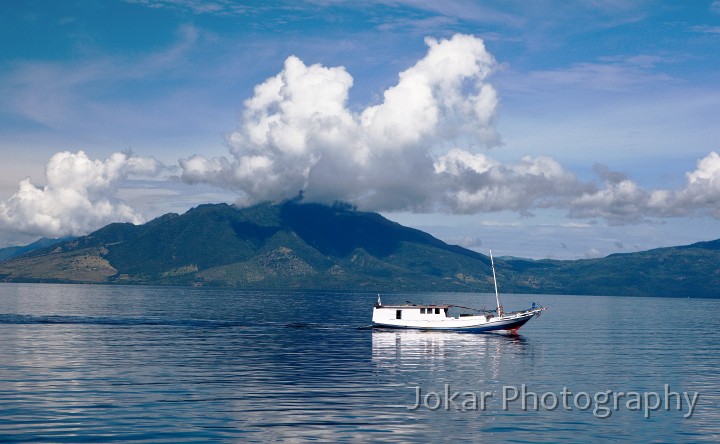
497,298
379,303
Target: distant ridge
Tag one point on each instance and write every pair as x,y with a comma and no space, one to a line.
11,252
310,246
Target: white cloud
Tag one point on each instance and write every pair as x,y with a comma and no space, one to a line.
416,150
700,194
619,202
476,183
622,200
297,132
78,196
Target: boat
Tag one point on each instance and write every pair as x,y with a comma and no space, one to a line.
437,316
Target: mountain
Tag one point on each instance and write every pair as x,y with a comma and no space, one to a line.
11,252
287,245
688,271
312,246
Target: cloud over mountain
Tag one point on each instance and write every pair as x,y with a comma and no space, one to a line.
421,148
298,133
417,150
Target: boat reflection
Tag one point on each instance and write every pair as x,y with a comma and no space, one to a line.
416,349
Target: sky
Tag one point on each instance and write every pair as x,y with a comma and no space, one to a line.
540,129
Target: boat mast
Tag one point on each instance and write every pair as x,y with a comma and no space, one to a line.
497,298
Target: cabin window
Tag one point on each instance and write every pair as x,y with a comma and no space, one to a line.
422,311
398,314
437,311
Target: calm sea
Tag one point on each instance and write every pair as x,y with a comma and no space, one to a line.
110,363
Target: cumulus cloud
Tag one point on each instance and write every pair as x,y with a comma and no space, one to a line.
622,200
297,132
78,195
418,149
475,183
700,194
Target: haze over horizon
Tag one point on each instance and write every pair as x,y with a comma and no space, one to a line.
537,129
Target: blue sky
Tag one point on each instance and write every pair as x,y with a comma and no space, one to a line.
148,101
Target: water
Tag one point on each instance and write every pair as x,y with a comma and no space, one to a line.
108,363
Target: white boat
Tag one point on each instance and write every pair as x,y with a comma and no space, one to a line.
437,317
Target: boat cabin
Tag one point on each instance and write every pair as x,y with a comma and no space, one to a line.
384,313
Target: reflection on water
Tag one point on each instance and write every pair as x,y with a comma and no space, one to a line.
95,363
450,351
